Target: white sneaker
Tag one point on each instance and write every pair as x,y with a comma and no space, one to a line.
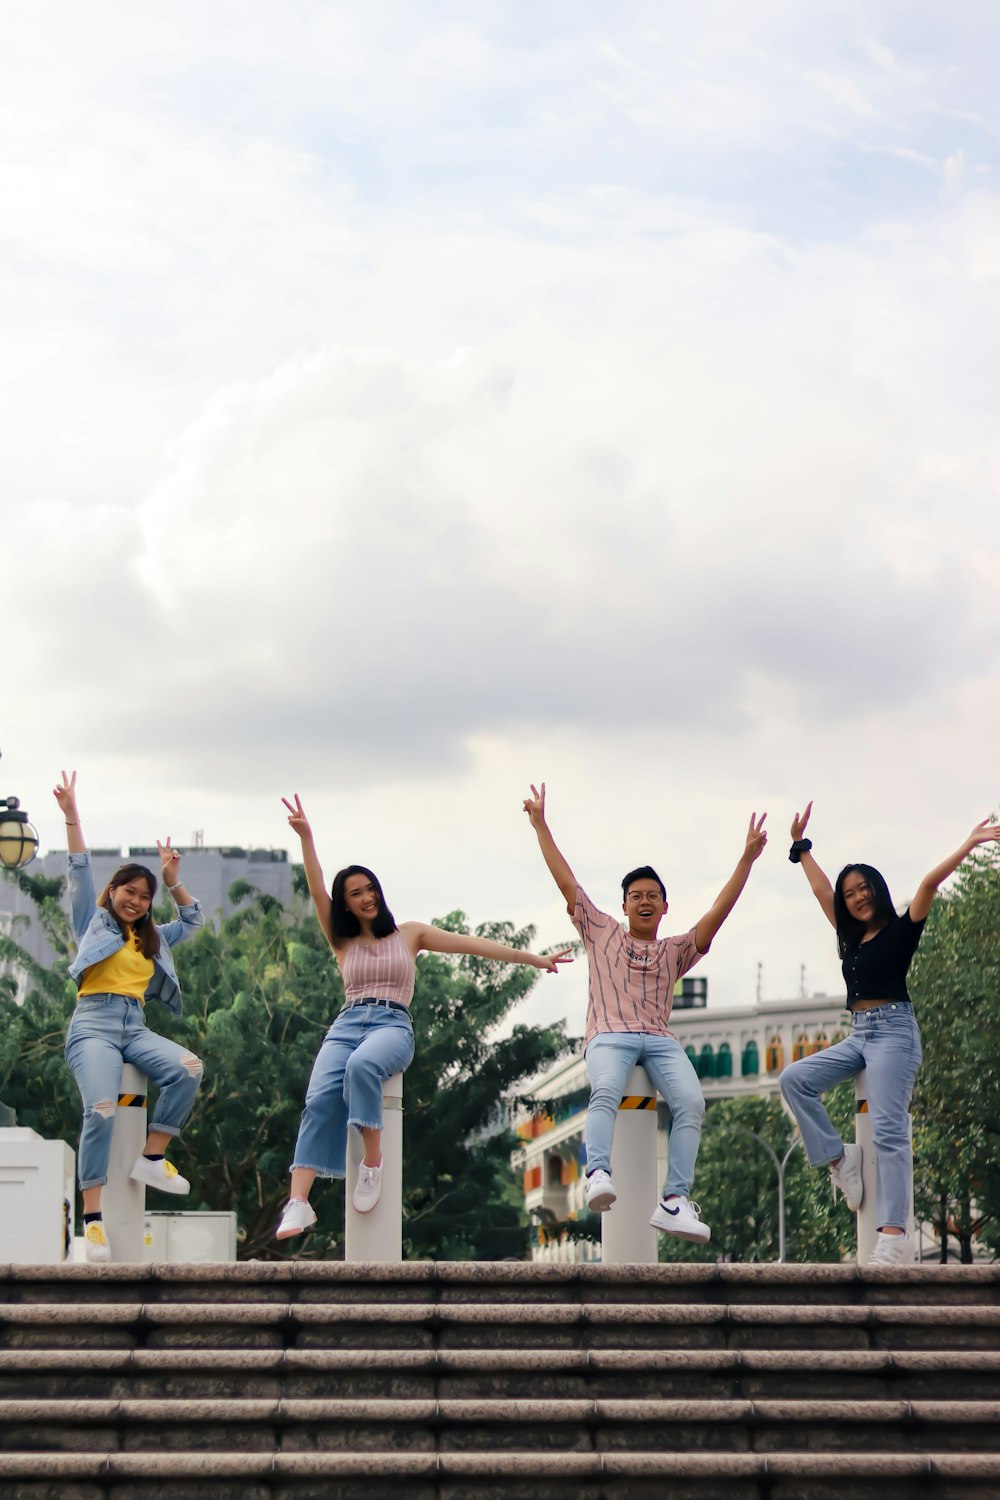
160,1174
298,1216
600,1193
681,1217
368,1188
95,1243
893,1250
846,1175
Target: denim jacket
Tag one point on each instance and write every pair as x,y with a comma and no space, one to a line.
98,935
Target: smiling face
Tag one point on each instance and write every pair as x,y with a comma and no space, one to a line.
131,901
858,897
361,898
644,905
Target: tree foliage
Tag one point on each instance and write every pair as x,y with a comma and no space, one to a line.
260,993
955,981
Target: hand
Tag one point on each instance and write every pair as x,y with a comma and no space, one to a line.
550,961
756,837
984,833
170,860
534,806
65,795
799,824
297,822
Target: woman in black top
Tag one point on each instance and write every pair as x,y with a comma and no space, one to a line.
876,947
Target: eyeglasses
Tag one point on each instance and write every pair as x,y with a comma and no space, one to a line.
636,896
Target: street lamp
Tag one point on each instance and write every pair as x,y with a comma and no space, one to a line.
18,840
779,1167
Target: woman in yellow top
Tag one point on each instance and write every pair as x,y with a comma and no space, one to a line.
123,959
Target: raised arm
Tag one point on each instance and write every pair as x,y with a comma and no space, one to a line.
299,824
986,832
560,871
189,913
65,795
730,893
819,882
435,940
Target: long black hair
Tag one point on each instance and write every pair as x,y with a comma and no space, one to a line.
343,923
849,930
145,931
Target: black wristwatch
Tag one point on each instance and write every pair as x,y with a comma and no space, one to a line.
800,847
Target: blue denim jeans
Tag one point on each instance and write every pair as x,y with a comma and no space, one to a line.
610,1058
365,1045
105,1032
886,1044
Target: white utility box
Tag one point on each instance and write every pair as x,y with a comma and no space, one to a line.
37,1198
190,1238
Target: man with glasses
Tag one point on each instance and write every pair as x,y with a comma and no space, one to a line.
632,975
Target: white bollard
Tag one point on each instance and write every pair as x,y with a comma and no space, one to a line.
378,1236
123,1202
627,1237
868,1213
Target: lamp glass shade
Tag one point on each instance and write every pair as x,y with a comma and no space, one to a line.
18,842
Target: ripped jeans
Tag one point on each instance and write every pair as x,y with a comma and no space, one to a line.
365,1045
105,1032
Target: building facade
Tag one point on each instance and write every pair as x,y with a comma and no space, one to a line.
737,1051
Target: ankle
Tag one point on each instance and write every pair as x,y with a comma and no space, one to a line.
367,1163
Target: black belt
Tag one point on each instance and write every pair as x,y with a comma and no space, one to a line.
371,1000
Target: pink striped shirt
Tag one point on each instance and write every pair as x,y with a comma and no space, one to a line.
380,970
631,982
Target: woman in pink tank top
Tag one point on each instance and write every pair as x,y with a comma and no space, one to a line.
372,1037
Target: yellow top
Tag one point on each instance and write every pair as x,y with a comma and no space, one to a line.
126,972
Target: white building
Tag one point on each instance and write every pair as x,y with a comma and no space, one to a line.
737,1051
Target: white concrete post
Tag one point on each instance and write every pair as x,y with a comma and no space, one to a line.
123,1201
378,1236
627,1237
868,1213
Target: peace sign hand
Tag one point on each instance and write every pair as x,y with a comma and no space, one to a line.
550,961
65,795
297,822
170,860
756,837
534,806
799,823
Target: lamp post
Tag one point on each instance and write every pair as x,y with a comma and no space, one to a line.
18,840
779,1167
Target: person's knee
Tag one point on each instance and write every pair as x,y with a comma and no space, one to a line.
687,1109
793,1083
103,1110
193,1066
604,1096
363,1070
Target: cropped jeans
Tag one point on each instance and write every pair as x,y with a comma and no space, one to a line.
610,1058
365,1045
105,1032
886,1044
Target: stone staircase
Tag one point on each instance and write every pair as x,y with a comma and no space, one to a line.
296,1380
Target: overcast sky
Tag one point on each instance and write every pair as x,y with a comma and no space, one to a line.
403,403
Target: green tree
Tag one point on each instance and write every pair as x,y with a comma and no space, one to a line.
955,981
737,1186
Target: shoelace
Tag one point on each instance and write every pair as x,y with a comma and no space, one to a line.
96,1233
169,1168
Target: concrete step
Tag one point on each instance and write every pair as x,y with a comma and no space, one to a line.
408,1374
530,1424
317,1325
498,1282
513,1476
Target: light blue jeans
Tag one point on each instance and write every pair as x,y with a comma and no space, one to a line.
105,1032
886,1044
365,1045
610,1058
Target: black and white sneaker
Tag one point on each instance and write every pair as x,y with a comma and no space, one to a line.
681,1217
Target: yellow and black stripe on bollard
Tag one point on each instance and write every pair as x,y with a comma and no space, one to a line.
638,1101
132,1101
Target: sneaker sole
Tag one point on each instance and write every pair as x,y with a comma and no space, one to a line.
288,1234
367,1208
601,1202
682,1234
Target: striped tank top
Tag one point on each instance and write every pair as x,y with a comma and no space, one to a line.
382,970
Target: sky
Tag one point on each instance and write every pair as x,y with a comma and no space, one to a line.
401,404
